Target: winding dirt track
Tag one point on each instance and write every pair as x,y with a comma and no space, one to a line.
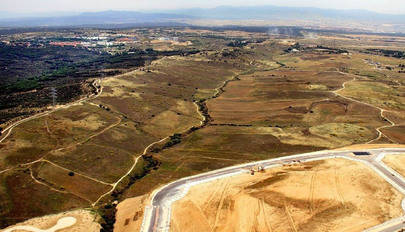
378,129
218,91
97,85
99,90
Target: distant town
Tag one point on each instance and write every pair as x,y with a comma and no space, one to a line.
108,40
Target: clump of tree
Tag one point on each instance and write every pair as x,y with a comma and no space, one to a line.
24,85
332,50
295,46
388,53
108,211
174,139
108,215
238,43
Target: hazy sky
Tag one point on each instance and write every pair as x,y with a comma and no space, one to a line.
29,6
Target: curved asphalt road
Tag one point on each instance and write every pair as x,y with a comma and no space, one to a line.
157,216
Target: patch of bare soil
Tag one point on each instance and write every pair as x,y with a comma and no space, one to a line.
86,222
396,162
330,195
371,146
130,214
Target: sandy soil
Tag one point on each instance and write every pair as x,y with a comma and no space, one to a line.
129,214
330,195
371,146
86,222
396,162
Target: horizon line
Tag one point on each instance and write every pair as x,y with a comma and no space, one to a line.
162,10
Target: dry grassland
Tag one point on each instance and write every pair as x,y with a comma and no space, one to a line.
298,107
71,157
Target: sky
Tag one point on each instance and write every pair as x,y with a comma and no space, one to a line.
42,6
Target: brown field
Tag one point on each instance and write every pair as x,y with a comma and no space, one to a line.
299,109
21,197
397,133
78,184
331,195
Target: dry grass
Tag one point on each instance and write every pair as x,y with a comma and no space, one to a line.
378,94
100,143
77,184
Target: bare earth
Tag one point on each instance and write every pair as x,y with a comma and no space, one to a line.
129,214
371,146
85,222
396,162
330,195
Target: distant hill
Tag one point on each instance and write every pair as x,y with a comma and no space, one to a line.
289,13
291,16
12,15
96,18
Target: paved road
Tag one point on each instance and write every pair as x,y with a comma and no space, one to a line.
157,216
395,228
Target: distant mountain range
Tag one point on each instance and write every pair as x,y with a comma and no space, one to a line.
287,15
93,18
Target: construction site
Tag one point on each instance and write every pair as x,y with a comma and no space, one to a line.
329,195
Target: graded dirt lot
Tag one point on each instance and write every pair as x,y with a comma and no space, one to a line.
330,195
396,162
371,146
129,215
85,222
